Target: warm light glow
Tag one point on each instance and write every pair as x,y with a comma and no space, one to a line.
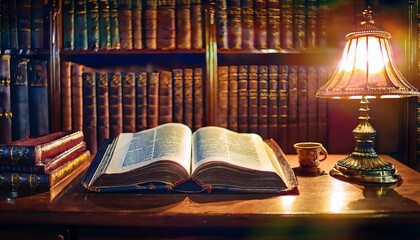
338,194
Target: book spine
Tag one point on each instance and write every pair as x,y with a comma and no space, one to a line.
273,24
260,23
292,109
198,98
152,99
19,98
114,27
234,24
129,102
312,24
323,19
104,25
166,24
322,78
283,106
141,101
150,24
299,24
115,104
136,9
188,97
221,24
5,104
178,95
165,97
273,102
196,25
76,97
66,97
102,108
263,101
243,98
233,98
80,25
5,25
183,24
13,24
37,24
24,23
253,98
223,93
125,24
92,16
286,24
89,110
302,103
67,24
247,17
38,98
312,104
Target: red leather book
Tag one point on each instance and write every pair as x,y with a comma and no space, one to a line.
323,20
150,24
188,97
273,102
260,23
129,101
243,98
299,24
292,109
247,22
125,24
77,96
115,104
196,25
311,24
233,98
253,99
152,99
221,24
34,150
137,20
66,96
234,24
166,24
273,24
178,95
183,24
263,101
198,98
223,96
286,24
283,106
141,100
165,97
302,104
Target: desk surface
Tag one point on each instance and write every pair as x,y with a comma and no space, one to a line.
320,198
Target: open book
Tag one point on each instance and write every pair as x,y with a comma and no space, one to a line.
171,157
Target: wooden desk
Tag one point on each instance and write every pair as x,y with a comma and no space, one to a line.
325,208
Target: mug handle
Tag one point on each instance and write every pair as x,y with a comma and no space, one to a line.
324,152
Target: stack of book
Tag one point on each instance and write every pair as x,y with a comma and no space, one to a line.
42,163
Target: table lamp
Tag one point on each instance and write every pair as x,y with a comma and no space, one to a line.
366,70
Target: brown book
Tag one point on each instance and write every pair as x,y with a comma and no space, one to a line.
166,24
136,16
299,24
89,110
198,98
125,24
323,20
77,96
114,27
165,97
34,150
196,25
286,24
141,100
223,96
233,98
188,97
302,104
273,102
152,99
178,94
150,24
273,24
247,21
66,96
312,24
234,24
102,108
292,109
260,23
243,98
253,98
283,106
221,24
312,103
129,101
263,101
322,77
115,104
183,24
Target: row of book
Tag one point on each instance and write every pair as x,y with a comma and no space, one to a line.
275,101
105,103
22,24
24,106
260,24
42,163
132,24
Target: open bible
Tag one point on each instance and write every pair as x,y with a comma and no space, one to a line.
171,157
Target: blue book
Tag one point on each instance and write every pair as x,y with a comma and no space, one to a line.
20,100
5,113
38,98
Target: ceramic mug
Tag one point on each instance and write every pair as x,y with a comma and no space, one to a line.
309,154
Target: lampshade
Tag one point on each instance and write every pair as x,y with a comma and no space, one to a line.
367,67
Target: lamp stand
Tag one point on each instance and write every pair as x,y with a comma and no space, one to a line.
364,165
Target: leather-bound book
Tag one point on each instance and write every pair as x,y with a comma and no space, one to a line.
183,24
165,97
13,24
243,98
233,98
104,25
102,106
92,24
77,97
196,25
292,109
37,24
114,26
115,104
5,105
223,96
273,24
283,106
311,24
24,23
323,20
80,26
19,98
221,24
38,98
5,25
260,23
253,98
247,20
302,103
178,94
322,77
263,101
150,24
67,24
299,24
234,24
152,99
188,97
286,24
32,151
129,101
136,16
166,24
198,98
125,24
312,103
273,102
89,110
66,96
141,100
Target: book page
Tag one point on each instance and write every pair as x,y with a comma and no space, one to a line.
219,144
171,141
